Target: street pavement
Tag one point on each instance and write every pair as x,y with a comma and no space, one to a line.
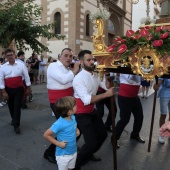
25,151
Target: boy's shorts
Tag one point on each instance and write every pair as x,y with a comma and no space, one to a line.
66,162
164,105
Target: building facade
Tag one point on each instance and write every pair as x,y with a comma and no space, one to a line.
72,18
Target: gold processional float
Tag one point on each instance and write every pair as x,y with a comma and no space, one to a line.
145,61
145,52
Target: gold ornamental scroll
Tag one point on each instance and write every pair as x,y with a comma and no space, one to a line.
104,58
148,63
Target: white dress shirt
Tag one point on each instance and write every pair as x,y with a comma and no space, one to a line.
15,70
86,85
20,61
59,77
130,79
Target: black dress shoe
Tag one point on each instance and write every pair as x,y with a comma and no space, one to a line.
117,145
95,158
77,168
109,129
50,158
17,130
137,138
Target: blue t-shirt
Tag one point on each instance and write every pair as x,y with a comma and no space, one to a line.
164,90
65,130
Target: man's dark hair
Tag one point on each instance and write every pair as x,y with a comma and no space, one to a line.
49,58
3,53
33,54
66,49
20,53
9,51
82,53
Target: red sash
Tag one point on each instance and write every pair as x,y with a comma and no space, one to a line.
81,108
14,82
128,90
53,95
101,89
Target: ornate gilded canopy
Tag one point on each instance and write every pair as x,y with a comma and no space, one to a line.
146,61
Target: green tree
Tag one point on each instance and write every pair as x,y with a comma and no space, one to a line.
20,20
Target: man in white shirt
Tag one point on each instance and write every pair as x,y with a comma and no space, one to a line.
11,83
59,84
85,85
129,102
21,59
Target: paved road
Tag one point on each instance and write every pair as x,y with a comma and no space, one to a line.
25,151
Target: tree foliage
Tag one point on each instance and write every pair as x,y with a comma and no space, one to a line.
21,21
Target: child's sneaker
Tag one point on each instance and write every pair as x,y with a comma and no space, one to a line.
53,113
161,139
1,104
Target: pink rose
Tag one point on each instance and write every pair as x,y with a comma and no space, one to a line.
129,33
144,32
163,27
122,48
117,38
165,35
111,48
123,40
147,27
158,29
157,43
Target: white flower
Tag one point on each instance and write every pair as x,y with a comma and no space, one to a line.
145,20
101,13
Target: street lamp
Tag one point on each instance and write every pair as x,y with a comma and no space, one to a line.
147,5
147,8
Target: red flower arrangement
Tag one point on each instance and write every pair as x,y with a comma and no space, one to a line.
157,37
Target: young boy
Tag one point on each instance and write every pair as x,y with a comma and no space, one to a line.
65,129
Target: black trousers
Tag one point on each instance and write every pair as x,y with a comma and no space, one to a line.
14,104
50,151
24,95
127,106
100,109
94,132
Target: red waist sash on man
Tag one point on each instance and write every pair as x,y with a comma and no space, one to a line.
101,89
14,82
53,95
128,90
81,108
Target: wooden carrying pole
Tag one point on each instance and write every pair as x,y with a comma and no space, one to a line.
114,142
153,115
